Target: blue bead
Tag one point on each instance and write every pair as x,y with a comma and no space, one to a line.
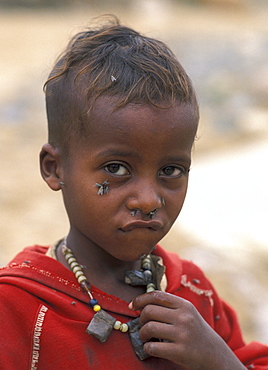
93,302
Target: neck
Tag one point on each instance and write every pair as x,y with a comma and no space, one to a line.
94,257
101,269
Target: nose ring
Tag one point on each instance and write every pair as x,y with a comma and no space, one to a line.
152,213
138,212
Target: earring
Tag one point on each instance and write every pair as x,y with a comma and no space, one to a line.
62,183
103,187
163,201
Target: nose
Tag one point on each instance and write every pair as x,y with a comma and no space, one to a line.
146,199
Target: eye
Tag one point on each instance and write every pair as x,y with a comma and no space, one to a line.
116,169
172,171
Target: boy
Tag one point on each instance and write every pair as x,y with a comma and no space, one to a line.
122,117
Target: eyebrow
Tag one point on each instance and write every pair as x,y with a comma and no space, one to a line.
125,153
117,153
186,159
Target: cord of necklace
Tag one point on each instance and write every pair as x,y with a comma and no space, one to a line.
82,280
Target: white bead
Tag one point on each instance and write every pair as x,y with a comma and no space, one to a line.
76,268
70,260
150,288
73,264
124,328
81,278
147,273
117,325
78,273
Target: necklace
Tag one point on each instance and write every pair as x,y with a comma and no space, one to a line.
102,323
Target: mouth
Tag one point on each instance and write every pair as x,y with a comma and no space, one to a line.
151,225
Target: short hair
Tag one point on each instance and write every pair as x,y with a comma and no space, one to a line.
116,61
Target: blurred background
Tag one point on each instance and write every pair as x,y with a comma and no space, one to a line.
223,45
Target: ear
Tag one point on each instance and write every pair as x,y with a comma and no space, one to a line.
50,166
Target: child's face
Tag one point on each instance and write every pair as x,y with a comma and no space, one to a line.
145,154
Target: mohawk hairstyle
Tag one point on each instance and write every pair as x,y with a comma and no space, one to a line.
115,61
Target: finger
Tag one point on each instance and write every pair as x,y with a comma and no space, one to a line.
158,313
157,298
162,350
158,330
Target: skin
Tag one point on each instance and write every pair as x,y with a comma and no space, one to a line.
145,155
187,339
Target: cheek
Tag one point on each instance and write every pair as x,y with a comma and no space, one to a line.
76,200
175,202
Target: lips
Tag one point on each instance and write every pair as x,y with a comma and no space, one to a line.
152,225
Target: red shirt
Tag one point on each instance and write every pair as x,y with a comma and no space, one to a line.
44,316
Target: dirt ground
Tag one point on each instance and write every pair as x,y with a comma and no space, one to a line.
30,213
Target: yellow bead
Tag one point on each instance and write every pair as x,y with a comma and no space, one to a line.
124,328
117,325
96,308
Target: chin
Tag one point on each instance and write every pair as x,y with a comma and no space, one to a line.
139,255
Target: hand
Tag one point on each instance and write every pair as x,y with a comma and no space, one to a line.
187,340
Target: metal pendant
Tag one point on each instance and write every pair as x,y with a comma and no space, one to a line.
137,277
134,333
144,277
101,325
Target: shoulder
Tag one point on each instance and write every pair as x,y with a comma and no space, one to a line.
179,270
194,273
194,283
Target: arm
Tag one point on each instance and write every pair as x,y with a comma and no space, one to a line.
187,340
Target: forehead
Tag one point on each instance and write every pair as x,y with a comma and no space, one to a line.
135,119
138,131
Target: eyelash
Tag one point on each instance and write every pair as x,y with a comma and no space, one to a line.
118,166
109,170
174,168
